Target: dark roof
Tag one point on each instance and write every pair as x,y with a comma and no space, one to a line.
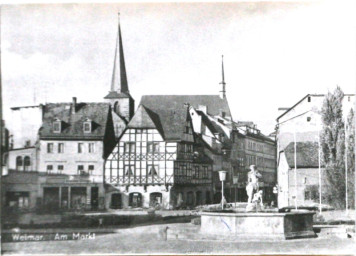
259,136
168,119
72,124
214,103
307,154
116,95
145,118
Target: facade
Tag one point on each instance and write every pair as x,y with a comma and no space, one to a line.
300,123
75,138
300,187
24,125
234,146
260,150
303,119
157,162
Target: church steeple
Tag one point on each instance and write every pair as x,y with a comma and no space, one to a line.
119,96
119,77
223,92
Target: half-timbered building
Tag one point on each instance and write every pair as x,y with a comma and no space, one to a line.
157,162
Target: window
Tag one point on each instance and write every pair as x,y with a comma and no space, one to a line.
309,99
189,148
60,147
80,170
308,119
27,143
19,163
152,170
49,147
91,148
27,163
129,147
129,170
152,147
91,169
80,147
87,126
57,126
49,168
60,168
307,195
205,172
196,172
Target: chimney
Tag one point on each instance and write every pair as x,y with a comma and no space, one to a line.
74,105
222,113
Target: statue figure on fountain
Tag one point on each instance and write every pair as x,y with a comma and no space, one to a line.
253,191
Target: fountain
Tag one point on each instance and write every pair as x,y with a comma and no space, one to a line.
256,222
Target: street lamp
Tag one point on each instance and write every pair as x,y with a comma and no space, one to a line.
222,177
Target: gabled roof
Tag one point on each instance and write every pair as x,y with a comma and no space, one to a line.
214,127
145,119
214,103
168,119
72,123
306,96
307,154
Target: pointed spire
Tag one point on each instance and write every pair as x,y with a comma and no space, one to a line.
119,78
223,92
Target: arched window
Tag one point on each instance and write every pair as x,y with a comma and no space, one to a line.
27,163
19,163
116,107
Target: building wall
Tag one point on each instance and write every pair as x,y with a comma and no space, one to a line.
140,159
305,178
305,123
283,182
307,190
17,182
174,165
263,155
24,125
70,158
29,152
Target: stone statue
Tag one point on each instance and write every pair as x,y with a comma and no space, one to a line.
252,188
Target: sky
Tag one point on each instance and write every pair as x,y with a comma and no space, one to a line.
274,52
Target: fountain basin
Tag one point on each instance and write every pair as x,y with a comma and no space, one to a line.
259,225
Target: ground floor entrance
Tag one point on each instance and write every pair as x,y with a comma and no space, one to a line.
17,199
71,197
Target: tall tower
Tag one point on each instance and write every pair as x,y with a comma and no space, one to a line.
223,92
119,96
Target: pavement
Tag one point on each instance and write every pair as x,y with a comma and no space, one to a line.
148,239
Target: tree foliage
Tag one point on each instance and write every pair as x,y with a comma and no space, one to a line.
350,136
333,148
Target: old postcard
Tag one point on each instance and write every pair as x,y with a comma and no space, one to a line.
178,128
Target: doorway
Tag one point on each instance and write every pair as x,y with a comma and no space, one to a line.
51,198
116,202
156,199
94,198
135,200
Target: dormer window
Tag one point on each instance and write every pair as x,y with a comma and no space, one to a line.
57,126
87,126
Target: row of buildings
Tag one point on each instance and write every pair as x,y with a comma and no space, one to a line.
165,153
